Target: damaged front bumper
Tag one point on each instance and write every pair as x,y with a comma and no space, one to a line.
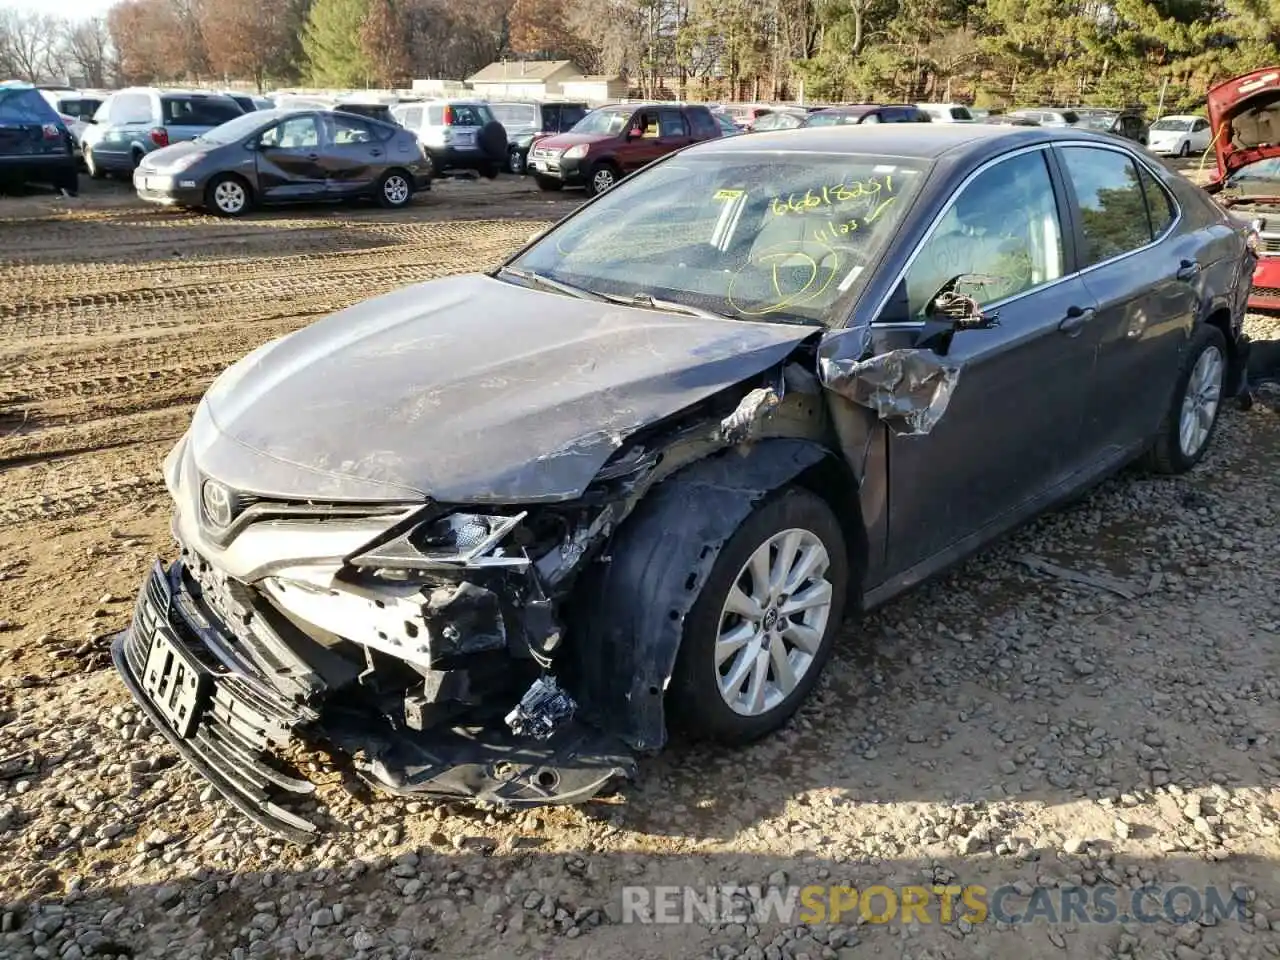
231,716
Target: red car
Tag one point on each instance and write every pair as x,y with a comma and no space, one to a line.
611,142
1244,114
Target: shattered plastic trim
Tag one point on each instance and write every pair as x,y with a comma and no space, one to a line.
909,388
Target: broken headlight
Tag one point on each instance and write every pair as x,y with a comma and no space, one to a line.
454,540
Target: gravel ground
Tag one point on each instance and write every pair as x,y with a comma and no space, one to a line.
1000,726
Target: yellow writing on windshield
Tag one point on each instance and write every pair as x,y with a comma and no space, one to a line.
782,277
727,194
842,228
831,194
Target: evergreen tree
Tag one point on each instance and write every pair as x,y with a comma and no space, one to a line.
333,43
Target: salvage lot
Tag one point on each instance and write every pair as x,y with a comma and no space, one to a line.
1002,724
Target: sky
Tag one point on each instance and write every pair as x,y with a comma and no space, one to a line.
75,9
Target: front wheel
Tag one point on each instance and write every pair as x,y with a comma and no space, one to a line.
603,176
1189,423
91,165
515,161
394,190
227,196
1185,150
765,622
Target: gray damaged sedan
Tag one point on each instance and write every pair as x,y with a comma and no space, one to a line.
492,536
287,156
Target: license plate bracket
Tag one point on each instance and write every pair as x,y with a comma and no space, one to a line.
175,682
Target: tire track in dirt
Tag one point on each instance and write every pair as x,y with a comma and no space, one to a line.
107,340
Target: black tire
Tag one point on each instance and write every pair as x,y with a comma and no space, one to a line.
490,172
1167,454
136,158
395,190
1185,150
694,697
515,161
218,200
492,139
71,184
549,184
602,177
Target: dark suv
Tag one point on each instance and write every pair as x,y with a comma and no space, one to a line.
1128,123
34,143
526,121
611,142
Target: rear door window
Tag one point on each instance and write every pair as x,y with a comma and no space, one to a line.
411,117
1113,208
199,111
1159,203
24,108
672,124
347,131
703,124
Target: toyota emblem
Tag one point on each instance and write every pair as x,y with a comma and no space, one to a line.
217,501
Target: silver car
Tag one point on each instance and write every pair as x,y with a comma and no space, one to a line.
135,121
457,134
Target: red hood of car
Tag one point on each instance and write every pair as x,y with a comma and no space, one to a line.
562,141
1249,96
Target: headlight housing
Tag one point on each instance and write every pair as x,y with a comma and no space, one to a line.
455,540
185,162
576,152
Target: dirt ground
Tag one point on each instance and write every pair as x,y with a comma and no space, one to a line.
1001,727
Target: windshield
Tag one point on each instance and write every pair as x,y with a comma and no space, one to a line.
750,235
1170,124
233,130
961,113
1261,171
1097,121
603,121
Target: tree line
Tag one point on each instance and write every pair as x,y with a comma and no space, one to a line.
991,52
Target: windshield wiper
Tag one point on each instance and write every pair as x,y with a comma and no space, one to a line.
540,280
649,302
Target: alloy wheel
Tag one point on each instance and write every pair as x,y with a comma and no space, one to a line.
230,197
602,180
396,190
773,621
1200,401
514,163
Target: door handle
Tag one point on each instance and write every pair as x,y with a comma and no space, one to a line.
1188,270
313,156
375,153
1075,320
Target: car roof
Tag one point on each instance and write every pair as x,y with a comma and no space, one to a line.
920,141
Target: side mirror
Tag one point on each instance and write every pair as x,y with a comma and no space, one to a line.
951,306
252,145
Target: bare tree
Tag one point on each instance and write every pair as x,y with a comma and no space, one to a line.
86,48
28,44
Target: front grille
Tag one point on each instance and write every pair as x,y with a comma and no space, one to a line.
544,153
1268,292
231,720
1270,244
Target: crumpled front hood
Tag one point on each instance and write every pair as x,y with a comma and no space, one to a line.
468,389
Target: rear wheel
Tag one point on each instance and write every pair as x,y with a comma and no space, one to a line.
765,622
602,177
490,171
1189,423
395,190
549,184
228,196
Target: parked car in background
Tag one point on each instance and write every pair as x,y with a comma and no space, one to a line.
780,118
1008,120
375,108
721,425
613,141
744,115
131,123
1244,114
947,112
1127,123
76,109
35,145
868,113
527,120
287,156
458,134
249,103
1048,116
1179,135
